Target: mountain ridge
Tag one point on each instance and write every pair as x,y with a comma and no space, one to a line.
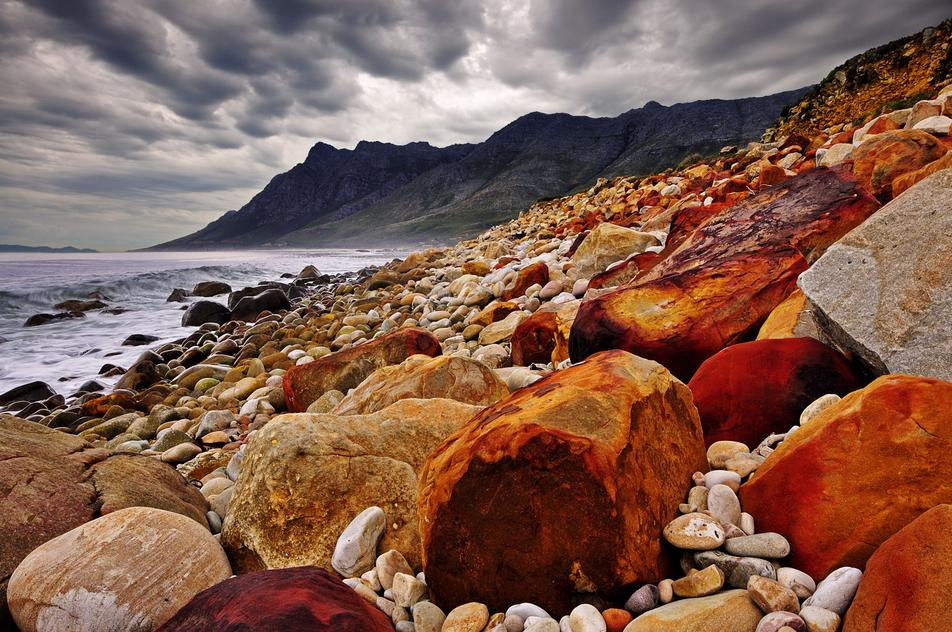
384,194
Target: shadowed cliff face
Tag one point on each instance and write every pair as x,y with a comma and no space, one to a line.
380,194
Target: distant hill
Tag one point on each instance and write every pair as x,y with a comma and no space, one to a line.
65,249
891,76
382,194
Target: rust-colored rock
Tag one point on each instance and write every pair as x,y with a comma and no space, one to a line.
752,389
303,599
857,473
532,274
564,486
346,369
494,312
98,406
903,182
422,377
883,158
683,319
306,476
907,586
624,272
771,174
544,336
790,319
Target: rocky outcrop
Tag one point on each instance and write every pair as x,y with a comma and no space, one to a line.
857,473
304,477
130,570
304,598
892,311
422,377
563,487
752,389
907,586
346,369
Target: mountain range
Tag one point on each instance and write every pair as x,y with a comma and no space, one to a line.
44,249
380,194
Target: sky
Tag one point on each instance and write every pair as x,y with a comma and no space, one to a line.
124,123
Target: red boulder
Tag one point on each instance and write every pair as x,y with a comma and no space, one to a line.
538,272
752,389
302,599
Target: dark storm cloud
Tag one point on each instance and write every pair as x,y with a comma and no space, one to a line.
127,122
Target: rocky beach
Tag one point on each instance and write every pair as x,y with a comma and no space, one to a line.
717,398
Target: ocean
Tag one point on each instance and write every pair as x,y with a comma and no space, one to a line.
67,353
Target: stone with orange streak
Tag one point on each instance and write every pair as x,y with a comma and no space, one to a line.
544,336
907,586
857,473
903,182
682,319
346,369
883,158
494,312
534,273
564,486
624,272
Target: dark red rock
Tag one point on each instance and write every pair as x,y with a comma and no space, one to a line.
538,272
302,599
749,390
346,369
682,319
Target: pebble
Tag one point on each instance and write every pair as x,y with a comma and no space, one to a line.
357,545
697,498
724,505
665,591
514,623
427,617
371,578
643,599
720,452
771,596
796,580
181,453
774,621
819,619
747,523
722,477
526,610
616,619
407,589
766,545
586,618
469,617
388,565
405,626
695,532
817,406
835,593
737,570
362,589
699,583
544,625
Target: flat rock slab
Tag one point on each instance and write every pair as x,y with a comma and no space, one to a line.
884,291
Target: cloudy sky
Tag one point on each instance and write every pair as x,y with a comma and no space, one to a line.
124,123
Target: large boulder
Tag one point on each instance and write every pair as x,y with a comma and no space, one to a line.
346,369
884,157
903,182
304,599
31,392
130,570
247,308
422,377
683,319
210,288
608,243
752,389
884,292
304,477
544,336
201,312
562,487
532,274
907,586
857,473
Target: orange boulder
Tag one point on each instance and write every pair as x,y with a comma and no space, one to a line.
907,586
857,473
544,336
906,180
346,369
563,487
537,272
883,158
752,389
682,319
494,312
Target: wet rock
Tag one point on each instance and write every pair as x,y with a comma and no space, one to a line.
304,598
31,392
551,442
79,305
346,369
840,509
210,288
752,389
137,340
201,312
249,307
43,319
